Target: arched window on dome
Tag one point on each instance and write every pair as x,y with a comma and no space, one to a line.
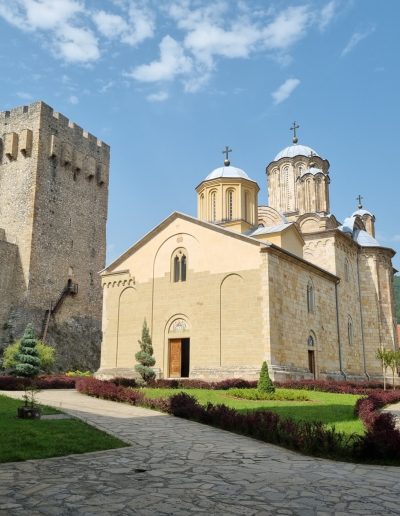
229,204
213,206
310,297
202,206
246,207
350,330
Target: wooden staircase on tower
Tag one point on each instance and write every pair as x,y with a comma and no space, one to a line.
71,289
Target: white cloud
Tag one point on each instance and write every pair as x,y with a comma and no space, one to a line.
172,62
73,99
355,39
287,28
161,96
68,41
137,25
76,45
285,90
327,14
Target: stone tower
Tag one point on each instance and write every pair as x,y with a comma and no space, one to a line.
53,212
298,182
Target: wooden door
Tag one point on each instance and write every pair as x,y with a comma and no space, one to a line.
175,358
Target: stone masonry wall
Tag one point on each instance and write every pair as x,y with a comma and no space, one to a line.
53,206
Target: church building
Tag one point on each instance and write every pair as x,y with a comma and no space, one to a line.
243,283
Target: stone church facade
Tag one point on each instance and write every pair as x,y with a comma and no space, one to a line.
53,212
242,283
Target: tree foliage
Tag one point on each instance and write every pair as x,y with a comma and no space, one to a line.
46,355
265,383
145,355
27,359
390,359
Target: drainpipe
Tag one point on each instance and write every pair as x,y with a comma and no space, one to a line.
361,316
338,331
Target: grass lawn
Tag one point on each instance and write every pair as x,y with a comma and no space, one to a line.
332,409
23,439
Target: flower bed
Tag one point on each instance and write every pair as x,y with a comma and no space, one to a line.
13,383
380,443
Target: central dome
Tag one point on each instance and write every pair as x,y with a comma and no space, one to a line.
227,171
295,150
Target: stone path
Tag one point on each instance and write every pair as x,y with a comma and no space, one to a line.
177,467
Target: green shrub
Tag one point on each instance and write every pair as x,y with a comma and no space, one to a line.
84,374
145,356
265,383
256,394
27,358
45,352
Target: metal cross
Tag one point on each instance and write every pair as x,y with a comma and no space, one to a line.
359,199
295,126
226,152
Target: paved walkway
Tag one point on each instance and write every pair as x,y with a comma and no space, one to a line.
188,469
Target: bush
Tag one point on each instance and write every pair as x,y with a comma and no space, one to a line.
381,442
27,359
145,356
202,384
265,383
340,387
11,383
45,353
256,394
76,373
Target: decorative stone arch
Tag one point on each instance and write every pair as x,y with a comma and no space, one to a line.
230,212
269,217
350,330
124,328
212,205
309,223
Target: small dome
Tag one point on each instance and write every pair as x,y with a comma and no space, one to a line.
228,171
295,150
362,212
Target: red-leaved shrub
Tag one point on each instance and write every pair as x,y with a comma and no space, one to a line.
14,383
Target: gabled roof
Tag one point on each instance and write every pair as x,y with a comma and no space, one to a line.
166,222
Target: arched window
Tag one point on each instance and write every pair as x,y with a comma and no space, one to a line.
246,206
202,206
346,270
229,205
213,206
311,341
183,268
350,330
310,297
176,269
179,265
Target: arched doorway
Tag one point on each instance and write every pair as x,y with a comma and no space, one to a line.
311,342
178,349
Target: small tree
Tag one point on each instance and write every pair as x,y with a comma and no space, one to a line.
45,352
27,359
384,356
145,355
265,383
394,363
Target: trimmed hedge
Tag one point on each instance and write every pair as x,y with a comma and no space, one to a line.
13,383
380,443
202,384
340,387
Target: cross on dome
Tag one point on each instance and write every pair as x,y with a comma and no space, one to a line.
359,199
293,128
226,152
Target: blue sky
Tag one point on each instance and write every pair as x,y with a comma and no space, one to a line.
169,84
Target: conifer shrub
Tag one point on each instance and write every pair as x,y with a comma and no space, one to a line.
45,352
27,360
145,356
265,383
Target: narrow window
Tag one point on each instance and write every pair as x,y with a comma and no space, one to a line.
310,298
230,205
183,268
246,207
213,207
346,270
176,269
350,330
